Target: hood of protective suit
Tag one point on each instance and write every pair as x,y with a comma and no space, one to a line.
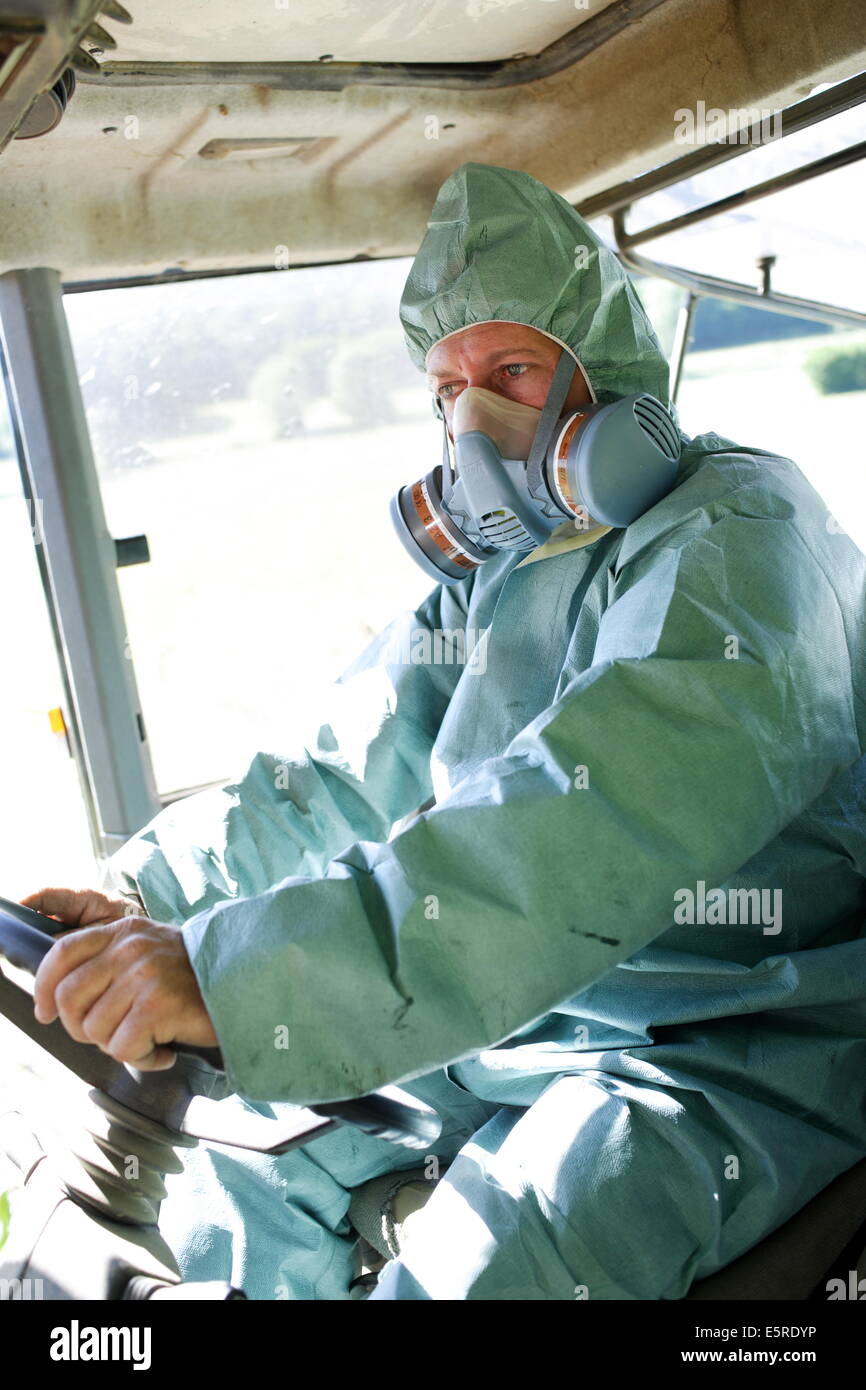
501,245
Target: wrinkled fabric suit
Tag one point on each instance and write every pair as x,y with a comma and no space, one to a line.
623,953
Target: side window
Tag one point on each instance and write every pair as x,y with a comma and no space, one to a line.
44,835
254,427
792,386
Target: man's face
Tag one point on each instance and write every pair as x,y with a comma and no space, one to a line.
511,359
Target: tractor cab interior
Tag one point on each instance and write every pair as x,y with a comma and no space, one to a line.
206,215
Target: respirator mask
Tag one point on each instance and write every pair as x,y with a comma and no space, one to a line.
521,472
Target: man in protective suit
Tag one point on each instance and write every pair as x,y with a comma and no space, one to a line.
621,952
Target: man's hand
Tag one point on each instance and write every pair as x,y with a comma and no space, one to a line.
122,982
74,908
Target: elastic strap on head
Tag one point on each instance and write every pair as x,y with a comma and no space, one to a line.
447,472
551,411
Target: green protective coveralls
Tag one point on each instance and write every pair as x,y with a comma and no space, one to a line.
623,954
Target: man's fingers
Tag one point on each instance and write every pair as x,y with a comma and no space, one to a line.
100,1010
78,907
126,986
65,956
79,992
159,1059
133,1042
66,903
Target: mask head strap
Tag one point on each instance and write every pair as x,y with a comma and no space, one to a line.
551,411
447,471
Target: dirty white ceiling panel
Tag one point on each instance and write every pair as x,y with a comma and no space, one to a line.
227,174
454,31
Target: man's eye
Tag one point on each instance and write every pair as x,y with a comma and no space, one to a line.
447,390
515,368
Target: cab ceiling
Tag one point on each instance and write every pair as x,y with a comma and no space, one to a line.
165,161
375,31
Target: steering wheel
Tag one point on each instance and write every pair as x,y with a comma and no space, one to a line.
26,937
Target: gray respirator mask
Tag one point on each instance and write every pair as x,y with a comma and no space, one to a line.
521,472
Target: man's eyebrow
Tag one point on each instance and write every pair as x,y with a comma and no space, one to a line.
497,352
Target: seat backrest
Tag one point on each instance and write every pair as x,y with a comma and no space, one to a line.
795,1260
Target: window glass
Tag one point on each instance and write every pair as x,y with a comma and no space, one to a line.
254,427
44,837
814,230
787,385
661,298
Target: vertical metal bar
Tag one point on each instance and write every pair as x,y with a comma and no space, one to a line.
682,334
70,719
79,553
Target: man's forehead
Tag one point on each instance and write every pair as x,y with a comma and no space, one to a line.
487,341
